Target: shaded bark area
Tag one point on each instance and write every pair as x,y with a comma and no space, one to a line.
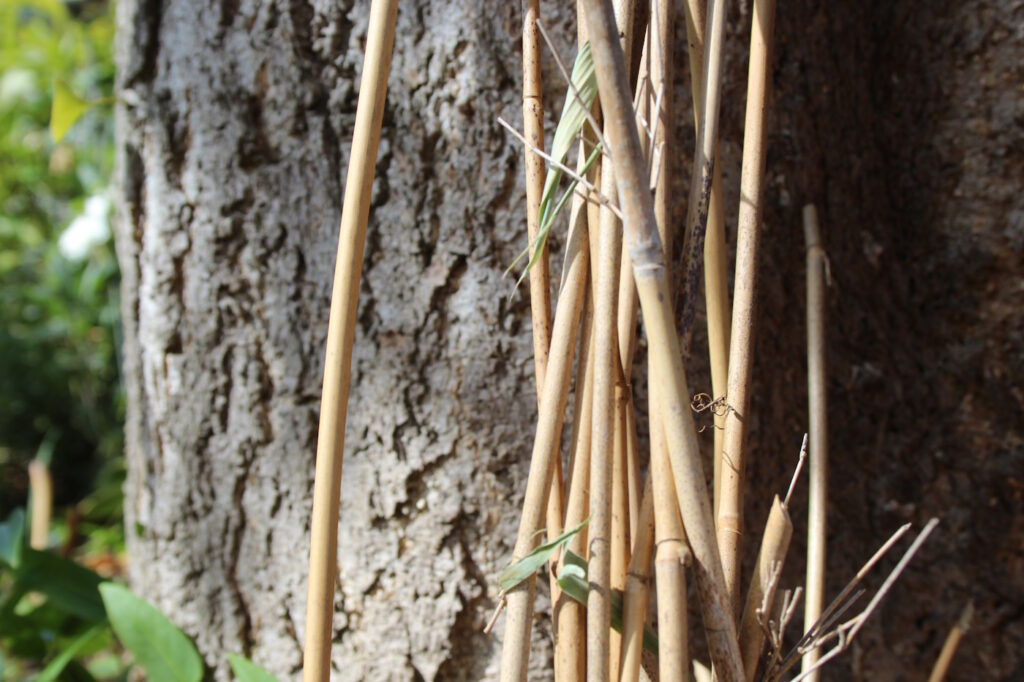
904,123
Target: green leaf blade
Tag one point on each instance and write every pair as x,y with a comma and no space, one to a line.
247,671
528,565
12,538
164,652
68,586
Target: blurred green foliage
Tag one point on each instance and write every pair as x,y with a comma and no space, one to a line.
59,308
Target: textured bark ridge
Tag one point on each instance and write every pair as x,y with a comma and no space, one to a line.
903,123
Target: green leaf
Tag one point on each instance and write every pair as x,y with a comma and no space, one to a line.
573,581
247,671
528,565
163,650
12,538
67,108
57,665
66,585
574,115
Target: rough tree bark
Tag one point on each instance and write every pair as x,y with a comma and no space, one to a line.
233,134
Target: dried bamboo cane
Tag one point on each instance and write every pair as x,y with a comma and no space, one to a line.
716,254
818,429
323,554
956,633
599,657
634,599
648,269
41,491
672,555
703,161
540,274
730,509
569,616
516,645
774,545
620,538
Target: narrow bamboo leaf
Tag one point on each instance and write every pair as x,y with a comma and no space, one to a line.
163,650
66,585
247,671
528,565
53,670
67,108
573,581
570,123
12,538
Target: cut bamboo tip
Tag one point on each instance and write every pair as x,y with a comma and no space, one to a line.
956,633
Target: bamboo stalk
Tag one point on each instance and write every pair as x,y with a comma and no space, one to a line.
703,161
956,633
41,491
730,510
716,254
516,645
818,429
599,656
540,274
634,600
778,532
649,271
569,615
323,554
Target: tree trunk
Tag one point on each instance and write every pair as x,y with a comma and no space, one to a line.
233,135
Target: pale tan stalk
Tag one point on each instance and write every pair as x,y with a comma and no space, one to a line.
956,633
703,161
730,509
716,254
620,538
599,657
323,554
40,485
634,600
519,619
569,615
774,544
540,273
632,182
818,429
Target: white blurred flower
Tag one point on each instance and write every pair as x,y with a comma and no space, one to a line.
16,85
88,230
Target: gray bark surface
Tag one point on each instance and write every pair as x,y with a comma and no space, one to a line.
903,123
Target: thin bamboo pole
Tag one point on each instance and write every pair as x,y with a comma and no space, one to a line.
672,555
620,538
818,429
634,600
569,615
703,161
716,254
730,509
599,564
956,633
323,554
774,544
540,274
519,619
632,182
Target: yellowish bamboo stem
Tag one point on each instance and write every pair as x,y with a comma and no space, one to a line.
730,510
818,429
703,161
634,601
323,555
569,615
956,633
519,619
620,538
540,274
41,491
632,182
774,545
